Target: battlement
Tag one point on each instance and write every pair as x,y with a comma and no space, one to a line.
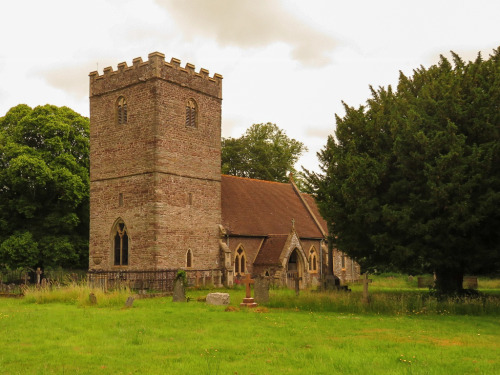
155,68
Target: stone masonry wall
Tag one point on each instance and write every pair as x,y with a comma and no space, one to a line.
168,174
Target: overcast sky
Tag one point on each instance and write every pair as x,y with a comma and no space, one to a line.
288,62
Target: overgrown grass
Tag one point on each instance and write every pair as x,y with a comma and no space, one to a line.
389,303
77,294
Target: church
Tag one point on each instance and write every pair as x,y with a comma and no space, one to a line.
158,200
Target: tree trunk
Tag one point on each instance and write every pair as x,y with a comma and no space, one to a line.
449,280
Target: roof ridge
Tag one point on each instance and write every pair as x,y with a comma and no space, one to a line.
256,179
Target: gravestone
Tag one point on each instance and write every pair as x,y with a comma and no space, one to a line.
261,289
248,301
92,299
179,291
44,283
218,299
129,302
366,281
297,284
38,275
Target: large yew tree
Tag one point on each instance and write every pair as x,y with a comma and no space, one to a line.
44,187
411,181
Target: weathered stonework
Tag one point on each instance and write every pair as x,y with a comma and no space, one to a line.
156,188
154,173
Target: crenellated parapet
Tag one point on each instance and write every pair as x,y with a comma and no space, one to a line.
155,68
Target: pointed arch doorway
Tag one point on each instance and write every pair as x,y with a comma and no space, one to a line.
294,269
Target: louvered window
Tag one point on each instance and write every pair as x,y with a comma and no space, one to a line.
121,111
191,113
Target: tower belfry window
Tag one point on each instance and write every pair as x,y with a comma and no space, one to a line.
191,113
121,111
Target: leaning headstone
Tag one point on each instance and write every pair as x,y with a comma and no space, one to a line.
92,299
179,291
44,283
261,289
218,299
129,302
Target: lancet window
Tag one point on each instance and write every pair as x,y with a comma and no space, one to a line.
191,113
120,244
240,262
121,111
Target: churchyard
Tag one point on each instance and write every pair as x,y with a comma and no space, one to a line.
402,330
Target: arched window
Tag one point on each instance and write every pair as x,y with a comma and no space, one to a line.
313,260
240,262
191,113
121,111
120,242
189,259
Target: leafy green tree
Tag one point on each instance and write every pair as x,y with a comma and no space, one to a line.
44,187
264,152
411,181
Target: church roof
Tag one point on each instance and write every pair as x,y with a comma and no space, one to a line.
269,254
260,208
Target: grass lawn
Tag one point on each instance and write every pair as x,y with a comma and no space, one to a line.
157,336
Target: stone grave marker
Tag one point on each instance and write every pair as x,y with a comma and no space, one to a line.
129,302
38,275
218,299
297,280
179,291
261,289
92,299
248,301
366,281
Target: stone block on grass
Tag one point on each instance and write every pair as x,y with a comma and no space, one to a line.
218,299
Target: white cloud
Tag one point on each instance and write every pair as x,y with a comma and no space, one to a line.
250,24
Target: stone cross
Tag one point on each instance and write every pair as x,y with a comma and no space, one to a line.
247,281
366,281
248,301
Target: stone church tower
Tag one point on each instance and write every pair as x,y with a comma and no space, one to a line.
155,130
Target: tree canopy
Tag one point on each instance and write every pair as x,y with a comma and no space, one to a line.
264,152
411,181
44,187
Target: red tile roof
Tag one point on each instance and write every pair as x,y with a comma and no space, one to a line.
269,254
260,208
